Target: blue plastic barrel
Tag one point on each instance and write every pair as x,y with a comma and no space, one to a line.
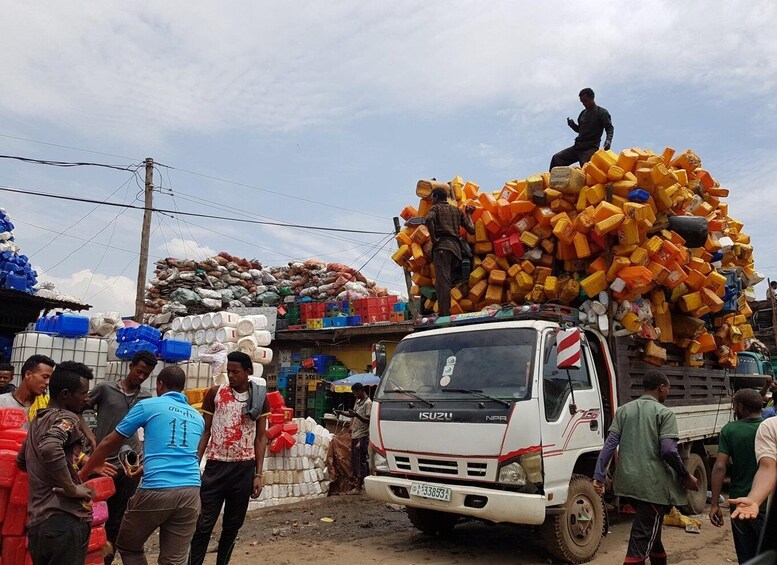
72,325
174,350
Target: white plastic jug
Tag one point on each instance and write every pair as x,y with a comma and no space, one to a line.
262,355
207,321
199,337
210,335
186,323
196,323
245,326
226,335
263,338
225,320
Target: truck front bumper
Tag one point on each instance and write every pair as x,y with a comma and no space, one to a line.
481,503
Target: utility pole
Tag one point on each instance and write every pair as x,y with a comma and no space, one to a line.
145,235
414,310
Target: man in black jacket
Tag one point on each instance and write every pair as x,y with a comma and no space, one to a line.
590,124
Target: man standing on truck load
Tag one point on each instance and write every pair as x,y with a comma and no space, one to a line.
59,509
444,223
650,471
235,443
169,493
590,124
737,446
113,400
360,436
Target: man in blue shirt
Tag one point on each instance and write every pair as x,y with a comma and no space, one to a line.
169,494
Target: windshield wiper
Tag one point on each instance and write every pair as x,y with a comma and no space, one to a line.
411,393
475,392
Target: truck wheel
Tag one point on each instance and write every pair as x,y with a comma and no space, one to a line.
432,522
697,500
574,535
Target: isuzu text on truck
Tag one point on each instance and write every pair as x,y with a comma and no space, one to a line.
473,418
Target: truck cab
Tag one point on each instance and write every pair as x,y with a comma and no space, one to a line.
473,418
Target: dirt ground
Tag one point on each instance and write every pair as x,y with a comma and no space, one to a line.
365,531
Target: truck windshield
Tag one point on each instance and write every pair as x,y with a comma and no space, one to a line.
495,362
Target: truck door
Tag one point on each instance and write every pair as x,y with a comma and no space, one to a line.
567,435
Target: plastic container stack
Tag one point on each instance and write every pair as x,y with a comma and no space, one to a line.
601,238
14,496
63,324
16,272
91,351
297,472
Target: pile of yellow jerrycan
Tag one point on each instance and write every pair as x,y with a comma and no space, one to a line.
605,238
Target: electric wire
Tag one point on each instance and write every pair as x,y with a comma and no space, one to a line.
192,214
67,147
66,164
36,226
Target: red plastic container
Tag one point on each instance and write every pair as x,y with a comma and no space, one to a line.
277,418
276,401
308,363
12,418
99,513
290,429
274,431
15,435
287,440
9,445
20,491
15,521
14,550
94,558
288,414
5,496
103,488
7,468
97,539
276,445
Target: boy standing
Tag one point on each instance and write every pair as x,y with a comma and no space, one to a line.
235,443
59,510
737,446
6,378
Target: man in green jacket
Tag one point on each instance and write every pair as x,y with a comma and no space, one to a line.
650,472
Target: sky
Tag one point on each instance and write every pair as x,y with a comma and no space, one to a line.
327,113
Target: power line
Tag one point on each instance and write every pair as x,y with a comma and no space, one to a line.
267,190
18,221
67,164
67,147
193,214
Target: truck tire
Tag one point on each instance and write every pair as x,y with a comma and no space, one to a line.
432,522
697,500
574,535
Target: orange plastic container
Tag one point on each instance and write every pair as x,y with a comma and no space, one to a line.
103,487
97,539
12,418
636,276
15,521
20,491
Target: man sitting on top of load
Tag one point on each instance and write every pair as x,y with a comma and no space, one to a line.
589,126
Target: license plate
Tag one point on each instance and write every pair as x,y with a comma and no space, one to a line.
430,491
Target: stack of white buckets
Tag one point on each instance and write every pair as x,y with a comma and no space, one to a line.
238,333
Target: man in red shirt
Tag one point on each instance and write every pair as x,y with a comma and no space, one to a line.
235,444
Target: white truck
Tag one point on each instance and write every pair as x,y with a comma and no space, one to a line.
474,419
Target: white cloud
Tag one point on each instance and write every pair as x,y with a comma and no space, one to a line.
198,67
103,292
186,249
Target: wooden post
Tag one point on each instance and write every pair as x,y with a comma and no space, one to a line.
773,304
414,311
145,235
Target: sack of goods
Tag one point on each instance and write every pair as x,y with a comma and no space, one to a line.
185,286
639,238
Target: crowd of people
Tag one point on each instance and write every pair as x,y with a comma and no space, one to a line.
158,484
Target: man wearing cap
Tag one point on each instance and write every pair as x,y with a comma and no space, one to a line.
590,124
444,222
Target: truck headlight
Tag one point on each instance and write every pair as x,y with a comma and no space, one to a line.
513,474
379,462
532,464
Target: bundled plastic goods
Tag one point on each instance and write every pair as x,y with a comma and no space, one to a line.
645,236
295,463
16,272
192,287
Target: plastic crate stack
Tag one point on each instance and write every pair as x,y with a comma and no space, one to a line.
16,272
347,313
15,493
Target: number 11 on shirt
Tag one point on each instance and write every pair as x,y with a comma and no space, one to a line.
174,429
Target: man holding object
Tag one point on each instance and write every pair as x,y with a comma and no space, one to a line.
590,124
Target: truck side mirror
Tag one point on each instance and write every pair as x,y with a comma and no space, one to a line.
378,358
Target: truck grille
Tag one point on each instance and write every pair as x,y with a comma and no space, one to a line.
403,463
462,469
476,469
438,466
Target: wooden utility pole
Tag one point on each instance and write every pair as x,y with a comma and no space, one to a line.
145,235
414,310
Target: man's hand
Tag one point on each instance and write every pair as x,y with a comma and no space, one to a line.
746,508
716,515
470,209
571,123
350,413
75,491
257,486
106,470
133,471
607,145
691,483
599,487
